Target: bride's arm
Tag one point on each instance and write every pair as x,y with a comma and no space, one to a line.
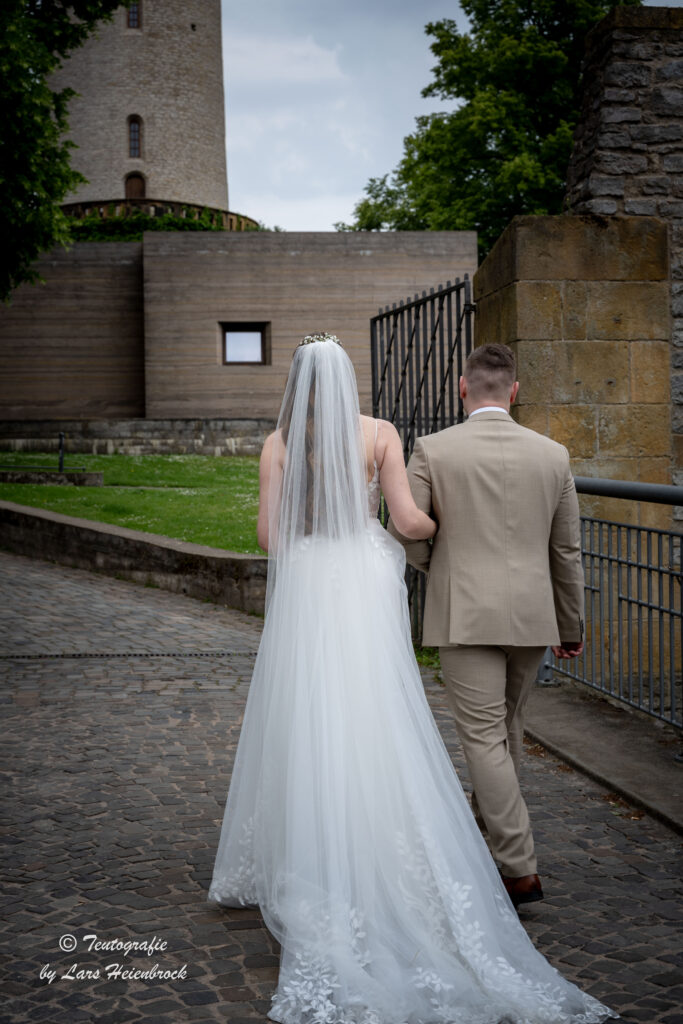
409,520
270,479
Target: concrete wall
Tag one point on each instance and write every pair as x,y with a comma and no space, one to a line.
137,437
168,72
628,152
238,581
584,303
74,346
123,330
299,282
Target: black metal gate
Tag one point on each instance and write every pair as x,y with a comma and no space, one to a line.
418,349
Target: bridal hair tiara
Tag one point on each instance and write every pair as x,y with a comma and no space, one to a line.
320,336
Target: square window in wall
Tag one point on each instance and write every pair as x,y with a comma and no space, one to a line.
246,343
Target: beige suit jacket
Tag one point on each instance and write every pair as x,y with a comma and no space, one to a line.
505,565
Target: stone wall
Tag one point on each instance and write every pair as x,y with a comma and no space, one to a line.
137,437
628,153
210,574
584,303
51,476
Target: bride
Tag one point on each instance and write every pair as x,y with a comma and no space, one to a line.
345,821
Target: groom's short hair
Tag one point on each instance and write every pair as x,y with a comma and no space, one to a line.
490,371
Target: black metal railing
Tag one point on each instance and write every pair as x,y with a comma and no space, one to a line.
419,348
634,618
634,607
418,351
51,469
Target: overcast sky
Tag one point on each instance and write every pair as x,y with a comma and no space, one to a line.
319,96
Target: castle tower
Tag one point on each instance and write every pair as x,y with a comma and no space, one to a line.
149,120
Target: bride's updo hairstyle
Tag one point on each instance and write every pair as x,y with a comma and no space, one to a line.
323,483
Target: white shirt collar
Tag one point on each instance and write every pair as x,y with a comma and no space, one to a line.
488,408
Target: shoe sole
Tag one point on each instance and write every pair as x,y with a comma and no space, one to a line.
527,897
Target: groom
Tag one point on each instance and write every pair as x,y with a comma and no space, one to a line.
504,580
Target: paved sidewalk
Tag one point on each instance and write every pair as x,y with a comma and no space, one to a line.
621,748
117,762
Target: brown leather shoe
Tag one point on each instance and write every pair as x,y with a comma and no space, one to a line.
526,889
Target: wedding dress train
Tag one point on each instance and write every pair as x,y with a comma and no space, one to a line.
347,825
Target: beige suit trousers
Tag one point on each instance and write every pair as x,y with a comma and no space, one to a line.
487,689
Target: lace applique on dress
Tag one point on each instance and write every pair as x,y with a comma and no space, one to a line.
374,494
239,884
374,490
307,996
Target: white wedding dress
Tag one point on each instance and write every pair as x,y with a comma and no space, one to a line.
347,825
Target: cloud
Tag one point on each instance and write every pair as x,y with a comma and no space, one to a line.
289,150
319,97
246,131
252,59
310,213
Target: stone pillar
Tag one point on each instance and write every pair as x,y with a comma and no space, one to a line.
628,148
584,303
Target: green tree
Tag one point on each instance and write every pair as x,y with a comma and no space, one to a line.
504,150
35,172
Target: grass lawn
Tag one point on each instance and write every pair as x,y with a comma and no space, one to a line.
197,498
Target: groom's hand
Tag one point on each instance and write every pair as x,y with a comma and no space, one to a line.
568,649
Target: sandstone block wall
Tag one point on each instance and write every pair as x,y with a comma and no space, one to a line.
628,153
584,303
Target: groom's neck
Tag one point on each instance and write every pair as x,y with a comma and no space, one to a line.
471,407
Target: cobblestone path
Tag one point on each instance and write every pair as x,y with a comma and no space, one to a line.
118,746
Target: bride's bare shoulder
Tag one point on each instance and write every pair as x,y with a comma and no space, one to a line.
387,434
273,445
386,439
383,426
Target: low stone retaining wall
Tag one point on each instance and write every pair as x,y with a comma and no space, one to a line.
224,577
138,436
49,476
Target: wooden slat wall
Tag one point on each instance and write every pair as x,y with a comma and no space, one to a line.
73,347
300,282
123,329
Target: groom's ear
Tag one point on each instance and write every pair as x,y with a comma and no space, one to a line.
463,388
513,393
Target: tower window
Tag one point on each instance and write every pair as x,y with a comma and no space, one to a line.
134,20
135,186
134,136
246,343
